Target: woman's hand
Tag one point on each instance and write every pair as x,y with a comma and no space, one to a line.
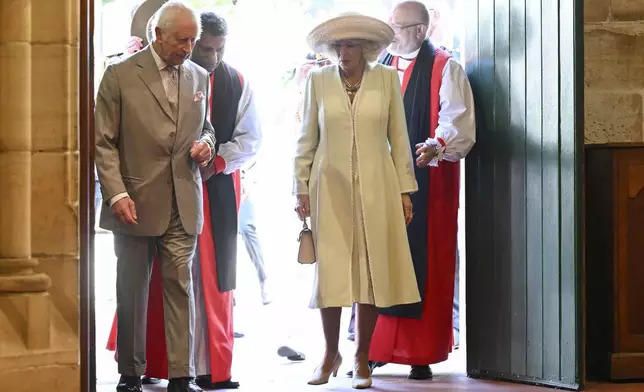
407,208
303,207
134,45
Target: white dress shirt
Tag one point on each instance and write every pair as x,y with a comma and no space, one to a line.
245,141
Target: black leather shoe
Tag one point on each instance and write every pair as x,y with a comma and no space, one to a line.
184,384
129,384
205,382
420,373
290,354
150,380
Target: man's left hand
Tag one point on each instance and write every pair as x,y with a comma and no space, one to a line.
201,153
425,154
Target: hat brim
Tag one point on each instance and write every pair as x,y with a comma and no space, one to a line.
349,27
139,26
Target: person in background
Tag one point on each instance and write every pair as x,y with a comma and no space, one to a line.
313,61
353,176
440,119
248,231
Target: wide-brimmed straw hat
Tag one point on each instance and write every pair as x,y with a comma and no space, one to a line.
350,26
141,18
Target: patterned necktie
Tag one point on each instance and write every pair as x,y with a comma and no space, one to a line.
173,89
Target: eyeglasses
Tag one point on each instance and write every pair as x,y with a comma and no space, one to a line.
397,27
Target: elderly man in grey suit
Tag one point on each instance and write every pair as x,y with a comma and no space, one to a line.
152,135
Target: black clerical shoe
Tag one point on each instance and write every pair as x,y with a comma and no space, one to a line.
420,373
372,365
183,384
129,384
150,380
290,354
205,382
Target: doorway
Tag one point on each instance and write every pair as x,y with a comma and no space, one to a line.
252,318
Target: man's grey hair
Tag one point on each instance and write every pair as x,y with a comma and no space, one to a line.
165,16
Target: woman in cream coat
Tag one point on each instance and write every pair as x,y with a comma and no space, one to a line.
353,176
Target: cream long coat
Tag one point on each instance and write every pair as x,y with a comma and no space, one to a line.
324,171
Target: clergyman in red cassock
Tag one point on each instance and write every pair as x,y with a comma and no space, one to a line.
439,109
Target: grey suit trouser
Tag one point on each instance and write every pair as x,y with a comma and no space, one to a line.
175,250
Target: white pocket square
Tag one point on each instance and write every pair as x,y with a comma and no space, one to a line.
199,96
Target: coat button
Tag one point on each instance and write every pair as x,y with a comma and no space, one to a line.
171,134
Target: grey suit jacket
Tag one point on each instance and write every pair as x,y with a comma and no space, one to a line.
143,150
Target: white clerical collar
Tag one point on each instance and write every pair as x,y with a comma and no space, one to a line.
410,56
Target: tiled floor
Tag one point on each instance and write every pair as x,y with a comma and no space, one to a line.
443,382
286,321
394,382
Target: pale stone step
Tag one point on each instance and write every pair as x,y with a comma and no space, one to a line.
25,322
38,347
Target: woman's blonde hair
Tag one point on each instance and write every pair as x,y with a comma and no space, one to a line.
370,50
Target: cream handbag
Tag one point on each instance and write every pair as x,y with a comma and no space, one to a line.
306,253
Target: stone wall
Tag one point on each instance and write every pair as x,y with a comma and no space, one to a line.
39,189
614,70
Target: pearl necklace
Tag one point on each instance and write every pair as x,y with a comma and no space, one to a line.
351,89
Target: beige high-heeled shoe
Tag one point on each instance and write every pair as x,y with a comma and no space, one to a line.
321,378
361,382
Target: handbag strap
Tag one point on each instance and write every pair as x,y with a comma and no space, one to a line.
305,228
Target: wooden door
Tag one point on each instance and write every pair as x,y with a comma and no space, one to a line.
524,60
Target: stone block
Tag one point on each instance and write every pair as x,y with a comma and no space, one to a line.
596,10
29,316
624,10
51,21
14,21
613,60
54,378
72,102
53,97
63,271
54,225
613,117
75,14
15,210
15,96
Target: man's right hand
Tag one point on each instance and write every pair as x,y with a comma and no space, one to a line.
125,211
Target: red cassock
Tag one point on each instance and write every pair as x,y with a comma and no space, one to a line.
428,340
218,308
